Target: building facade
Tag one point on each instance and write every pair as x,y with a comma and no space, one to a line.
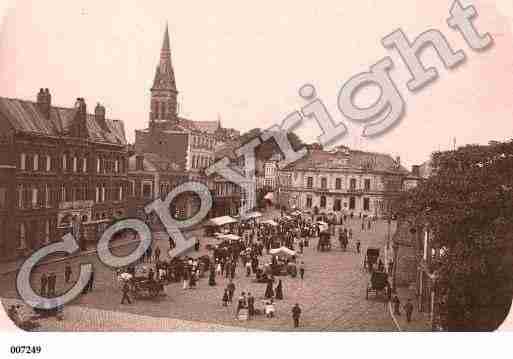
152,177
342,181
57,166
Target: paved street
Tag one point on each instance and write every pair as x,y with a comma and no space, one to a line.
332,295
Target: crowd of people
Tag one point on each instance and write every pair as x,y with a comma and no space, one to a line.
250,256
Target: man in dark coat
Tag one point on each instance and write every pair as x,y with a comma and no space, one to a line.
67,273
44,282
52,282
157,254
231,290
296,313
251,305
279,291
126,289
269,292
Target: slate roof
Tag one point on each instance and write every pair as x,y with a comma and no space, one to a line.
348,159
25,116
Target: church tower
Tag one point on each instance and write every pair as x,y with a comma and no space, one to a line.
164,105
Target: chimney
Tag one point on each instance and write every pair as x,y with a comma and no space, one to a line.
99,115
415,170
44,102
80,125
139,162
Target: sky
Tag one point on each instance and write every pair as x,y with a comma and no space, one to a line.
245,62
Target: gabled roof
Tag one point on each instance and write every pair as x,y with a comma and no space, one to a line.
25,116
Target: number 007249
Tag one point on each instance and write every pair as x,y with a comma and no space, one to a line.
25,349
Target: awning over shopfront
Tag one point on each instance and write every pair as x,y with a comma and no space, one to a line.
251,215
228,237
221,221
282,251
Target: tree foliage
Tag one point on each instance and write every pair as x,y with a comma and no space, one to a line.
270,147
468,204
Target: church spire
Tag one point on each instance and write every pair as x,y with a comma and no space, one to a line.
164,102
165,76
166,48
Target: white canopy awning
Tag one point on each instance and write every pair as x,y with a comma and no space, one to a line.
251,215
229,237
221,221
282,251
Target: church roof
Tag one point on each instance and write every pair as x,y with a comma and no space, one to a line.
25,116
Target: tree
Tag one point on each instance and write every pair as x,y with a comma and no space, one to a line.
267,149
468,205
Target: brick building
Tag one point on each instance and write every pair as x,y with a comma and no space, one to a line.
57,164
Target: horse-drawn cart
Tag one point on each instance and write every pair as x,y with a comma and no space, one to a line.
142,287
378,284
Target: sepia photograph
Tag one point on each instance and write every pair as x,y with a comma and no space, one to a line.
243,167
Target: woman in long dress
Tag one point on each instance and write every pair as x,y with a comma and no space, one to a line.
269,292
279,290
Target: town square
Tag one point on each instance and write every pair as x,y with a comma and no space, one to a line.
250,225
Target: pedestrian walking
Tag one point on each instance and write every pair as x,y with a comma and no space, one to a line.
302,270
90,283
226,297
126,289
296,313
397,305
251,305
358,245
44,283
67,273
408,308
231,291
218,269
248,268
52,282
157,254
279,291
149,253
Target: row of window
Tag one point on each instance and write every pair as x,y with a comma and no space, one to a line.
199,161
47,196
337,204
338,183
65,162
226,189
203,142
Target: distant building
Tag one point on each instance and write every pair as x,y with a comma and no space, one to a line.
58,166
342,181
